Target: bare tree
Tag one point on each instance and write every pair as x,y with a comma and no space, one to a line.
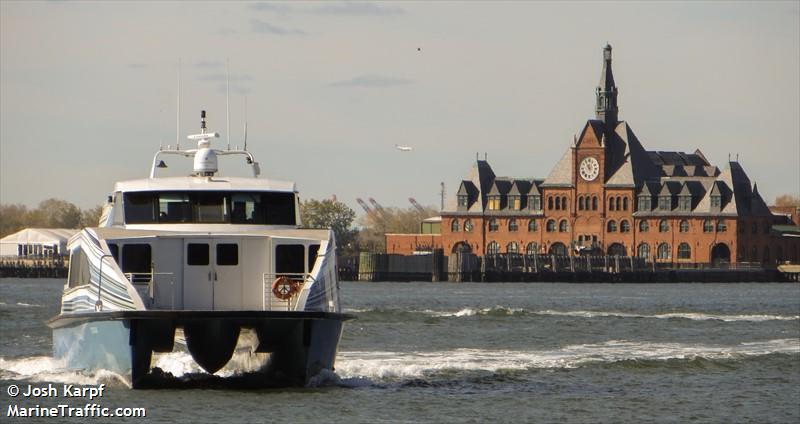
787,200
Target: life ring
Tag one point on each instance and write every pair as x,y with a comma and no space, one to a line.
284,288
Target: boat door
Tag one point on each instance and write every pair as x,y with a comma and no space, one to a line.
212,274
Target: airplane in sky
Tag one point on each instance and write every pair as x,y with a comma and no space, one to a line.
403,148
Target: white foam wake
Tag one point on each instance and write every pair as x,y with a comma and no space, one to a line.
695,316
382,365
23,304
47,369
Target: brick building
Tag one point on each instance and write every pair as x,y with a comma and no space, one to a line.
608,195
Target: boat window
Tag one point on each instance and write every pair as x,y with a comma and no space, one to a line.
258,208
140,208
137,261
289,259
78,268
174,207
227,254
313,251
279,208
197,254
246,208
114,249
211,208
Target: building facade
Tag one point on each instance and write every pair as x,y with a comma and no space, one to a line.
608,195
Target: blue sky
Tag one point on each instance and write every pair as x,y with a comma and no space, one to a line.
88,89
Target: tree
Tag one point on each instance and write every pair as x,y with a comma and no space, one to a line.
57,213
787,200
91,217
12,219
330,214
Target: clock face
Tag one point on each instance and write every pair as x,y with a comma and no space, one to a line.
589,169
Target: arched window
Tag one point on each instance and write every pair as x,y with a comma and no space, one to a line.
624,203
617,249
512,225
722,226
467,225
512,247
454,226
611,204
644,226
611,227
533,225
684,251
549,202
619,203
532,249
493,225
684,226
550,226
564,203
580,203
558,203
492,248
594,203
461,247
663,251
558,249
643,251
663,226
708,227
562,226
624,226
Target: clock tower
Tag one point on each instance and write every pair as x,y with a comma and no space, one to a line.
606,109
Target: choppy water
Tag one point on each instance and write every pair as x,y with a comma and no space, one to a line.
425,352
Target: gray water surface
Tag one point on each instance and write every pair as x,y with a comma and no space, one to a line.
516,352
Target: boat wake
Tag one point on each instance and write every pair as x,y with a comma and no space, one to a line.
501,311
405,365
367,368
47,369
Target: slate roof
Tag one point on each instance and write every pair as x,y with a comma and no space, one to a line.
561,175
632,165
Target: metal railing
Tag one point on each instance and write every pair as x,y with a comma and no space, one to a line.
271,302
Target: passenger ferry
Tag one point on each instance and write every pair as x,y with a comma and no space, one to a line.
204,263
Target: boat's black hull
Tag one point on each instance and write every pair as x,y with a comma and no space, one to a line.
300,344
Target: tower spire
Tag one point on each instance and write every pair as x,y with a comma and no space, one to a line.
606,106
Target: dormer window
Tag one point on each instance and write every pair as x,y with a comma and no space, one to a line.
664,203
535,203
463,200
685,203
644,203
514,203
494,203
716,202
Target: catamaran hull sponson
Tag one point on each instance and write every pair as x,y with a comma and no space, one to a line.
300,344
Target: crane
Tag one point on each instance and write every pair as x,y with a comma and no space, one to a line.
416,205
364,206
377,205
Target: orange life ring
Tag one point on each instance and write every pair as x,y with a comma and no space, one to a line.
284,288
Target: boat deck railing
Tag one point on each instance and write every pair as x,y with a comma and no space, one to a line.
289,291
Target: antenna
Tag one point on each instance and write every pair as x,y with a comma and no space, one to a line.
441,193
228,103
178,113
245,123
